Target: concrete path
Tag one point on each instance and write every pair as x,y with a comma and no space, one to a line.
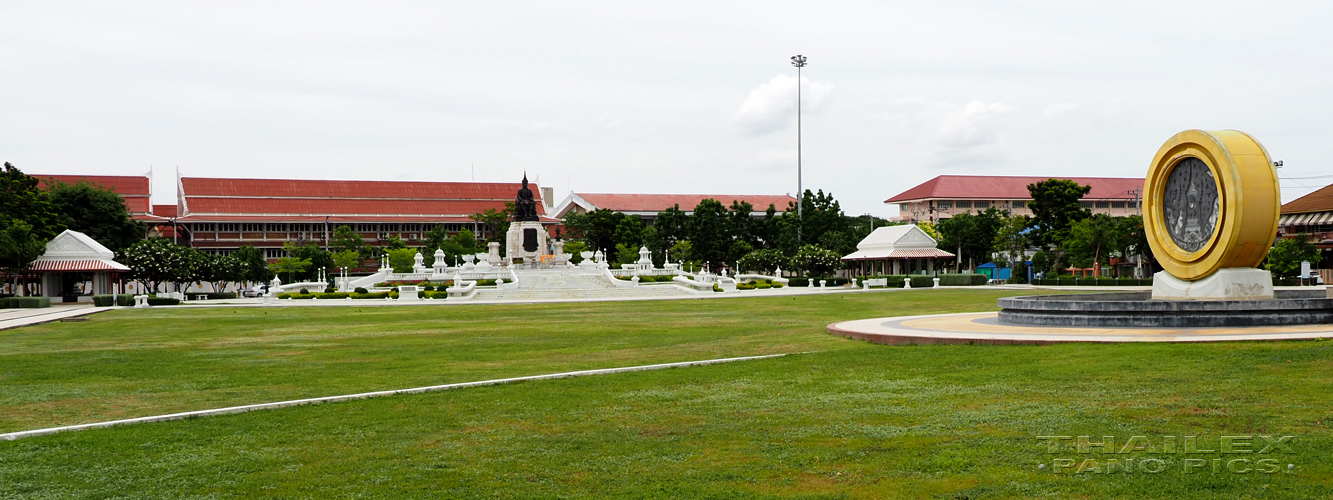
14,318
984,328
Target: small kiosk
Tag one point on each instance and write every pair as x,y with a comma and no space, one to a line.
72,258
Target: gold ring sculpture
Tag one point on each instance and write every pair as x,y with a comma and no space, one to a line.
1210,201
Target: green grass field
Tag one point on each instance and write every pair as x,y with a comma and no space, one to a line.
847,419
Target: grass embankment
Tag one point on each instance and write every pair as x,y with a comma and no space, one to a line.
850,419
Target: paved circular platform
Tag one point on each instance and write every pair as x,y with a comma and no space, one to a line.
985,328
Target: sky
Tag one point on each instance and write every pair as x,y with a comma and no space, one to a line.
672,97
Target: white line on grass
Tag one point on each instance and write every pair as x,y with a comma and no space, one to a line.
331,399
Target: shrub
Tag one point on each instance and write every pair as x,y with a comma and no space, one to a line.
1019,273
330,290
284,295
162,301
919,281
360,290
485,282
716,287
221,295
626,278
305,292
427,287
777,285
745,286
763,286
25,302
303,296
104,300
966,279
376,295
437,295
393,294
125,299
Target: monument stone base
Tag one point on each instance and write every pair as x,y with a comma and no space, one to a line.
1225,284
526,240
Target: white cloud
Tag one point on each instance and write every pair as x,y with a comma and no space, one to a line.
772,106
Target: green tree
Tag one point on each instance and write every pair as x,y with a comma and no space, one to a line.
682,251
224,270
814,261
1055,208
1132,240
596,228
347,259
1284,259
625,254
496,222
19,246
402,259
1011,238
20,199
573,248
290,266
767,260
344,239
318,257
971,236
95,211
156,261
672,225
629,232
710,232
1090,240
256,266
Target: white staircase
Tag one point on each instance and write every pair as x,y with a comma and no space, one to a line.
560,284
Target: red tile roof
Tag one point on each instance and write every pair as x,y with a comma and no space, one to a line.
167,211
1319,201
134,189
998,187
246,199
659,202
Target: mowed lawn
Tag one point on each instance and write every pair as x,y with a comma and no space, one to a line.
847,419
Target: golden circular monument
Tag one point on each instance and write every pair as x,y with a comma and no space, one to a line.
1210,201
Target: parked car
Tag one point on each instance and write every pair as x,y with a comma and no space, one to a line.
255,291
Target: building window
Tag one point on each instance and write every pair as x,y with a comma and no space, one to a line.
981,204
1103,204
252,227
963,204
904,207
277,227
1131,204
943,204
274,253
1085,204
366,228
1117,204
1019,204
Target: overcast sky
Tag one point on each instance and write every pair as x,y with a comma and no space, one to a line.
675,98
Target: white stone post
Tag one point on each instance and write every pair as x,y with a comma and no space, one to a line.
907,282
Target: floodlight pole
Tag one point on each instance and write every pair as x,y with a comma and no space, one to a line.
798,61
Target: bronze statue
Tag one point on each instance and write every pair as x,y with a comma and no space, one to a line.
525,207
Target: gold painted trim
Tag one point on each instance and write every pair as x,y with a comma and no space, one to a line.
1248,202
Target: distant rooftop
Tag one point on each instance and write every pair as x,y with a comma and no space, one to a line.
1002,187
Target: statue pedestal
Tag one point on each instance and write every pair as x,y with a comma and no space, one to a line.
1225,284
526,240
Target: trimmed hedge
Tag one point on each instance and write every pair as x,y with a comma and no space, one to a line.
920,281
104,300
25,302
1092,282
376,295
162,301
125,299
221,295
436,295
965,279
